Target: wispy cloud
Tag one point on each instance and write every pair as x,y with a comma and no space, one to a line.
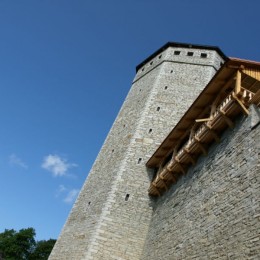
16,161
56,165
71,196
60,190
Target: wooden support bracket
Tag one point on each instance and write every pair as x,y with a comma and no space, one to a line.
173,179
189,155
156,189
244,109
227,119
179,165
213,133
201,146
163,182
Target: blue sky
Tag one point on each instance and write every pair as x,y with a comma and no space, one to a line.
65,69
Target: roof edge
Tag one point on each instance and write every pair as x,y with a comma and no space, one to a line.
183,45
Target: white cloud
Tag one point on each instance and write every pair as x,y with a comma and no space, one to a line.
15,160
71,196
60,190
56,165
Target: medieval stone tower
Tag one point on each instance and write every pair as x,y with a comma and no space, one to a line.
113,214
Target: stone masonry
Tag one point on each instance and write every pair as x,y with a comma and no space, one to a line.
114,218
213,212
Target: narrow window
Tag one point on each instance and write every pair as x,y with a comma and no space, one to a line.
171,71
142,69
177,52
203,55
112,150
139,160
160,56
190,53
127,197
151,63
89,202
158,108
150,130
165,87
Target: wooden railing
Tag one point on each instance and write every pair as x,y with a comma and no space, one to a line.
208,132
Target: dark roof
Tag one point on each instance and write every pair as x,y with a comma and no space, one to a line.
182,45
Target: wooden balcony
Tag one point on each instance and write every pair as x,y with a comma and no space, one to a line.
233,89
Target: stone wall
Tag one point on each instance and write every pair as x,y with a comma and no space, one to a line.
111,216
213,212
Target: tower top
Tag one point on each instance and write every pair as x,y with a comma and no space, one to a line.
181,45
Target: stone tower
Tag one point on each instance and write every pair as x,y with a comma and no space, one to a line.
111,216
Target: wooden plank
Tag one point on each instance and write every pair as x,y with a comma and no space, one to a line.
255,99
254,73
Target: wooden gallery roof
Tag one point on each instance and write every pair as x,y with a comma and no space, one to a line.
231,91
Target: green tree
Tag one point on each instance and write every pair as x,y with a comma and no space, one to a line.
17,245
42,250
21,245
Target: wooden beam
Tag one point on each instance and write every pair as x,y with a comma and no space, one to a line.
164,184
201,146
227,119
189,155
179,165
242,106
158,156
173,178
213,133
155,188
203,120
238,82
166,148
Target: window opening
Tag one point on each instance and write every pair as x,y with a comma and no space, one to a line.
190,53
203,55
177,52
158,108
139,160
127,197
150,130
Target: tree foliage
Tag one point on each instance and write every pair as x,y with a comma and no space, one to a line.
21,245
